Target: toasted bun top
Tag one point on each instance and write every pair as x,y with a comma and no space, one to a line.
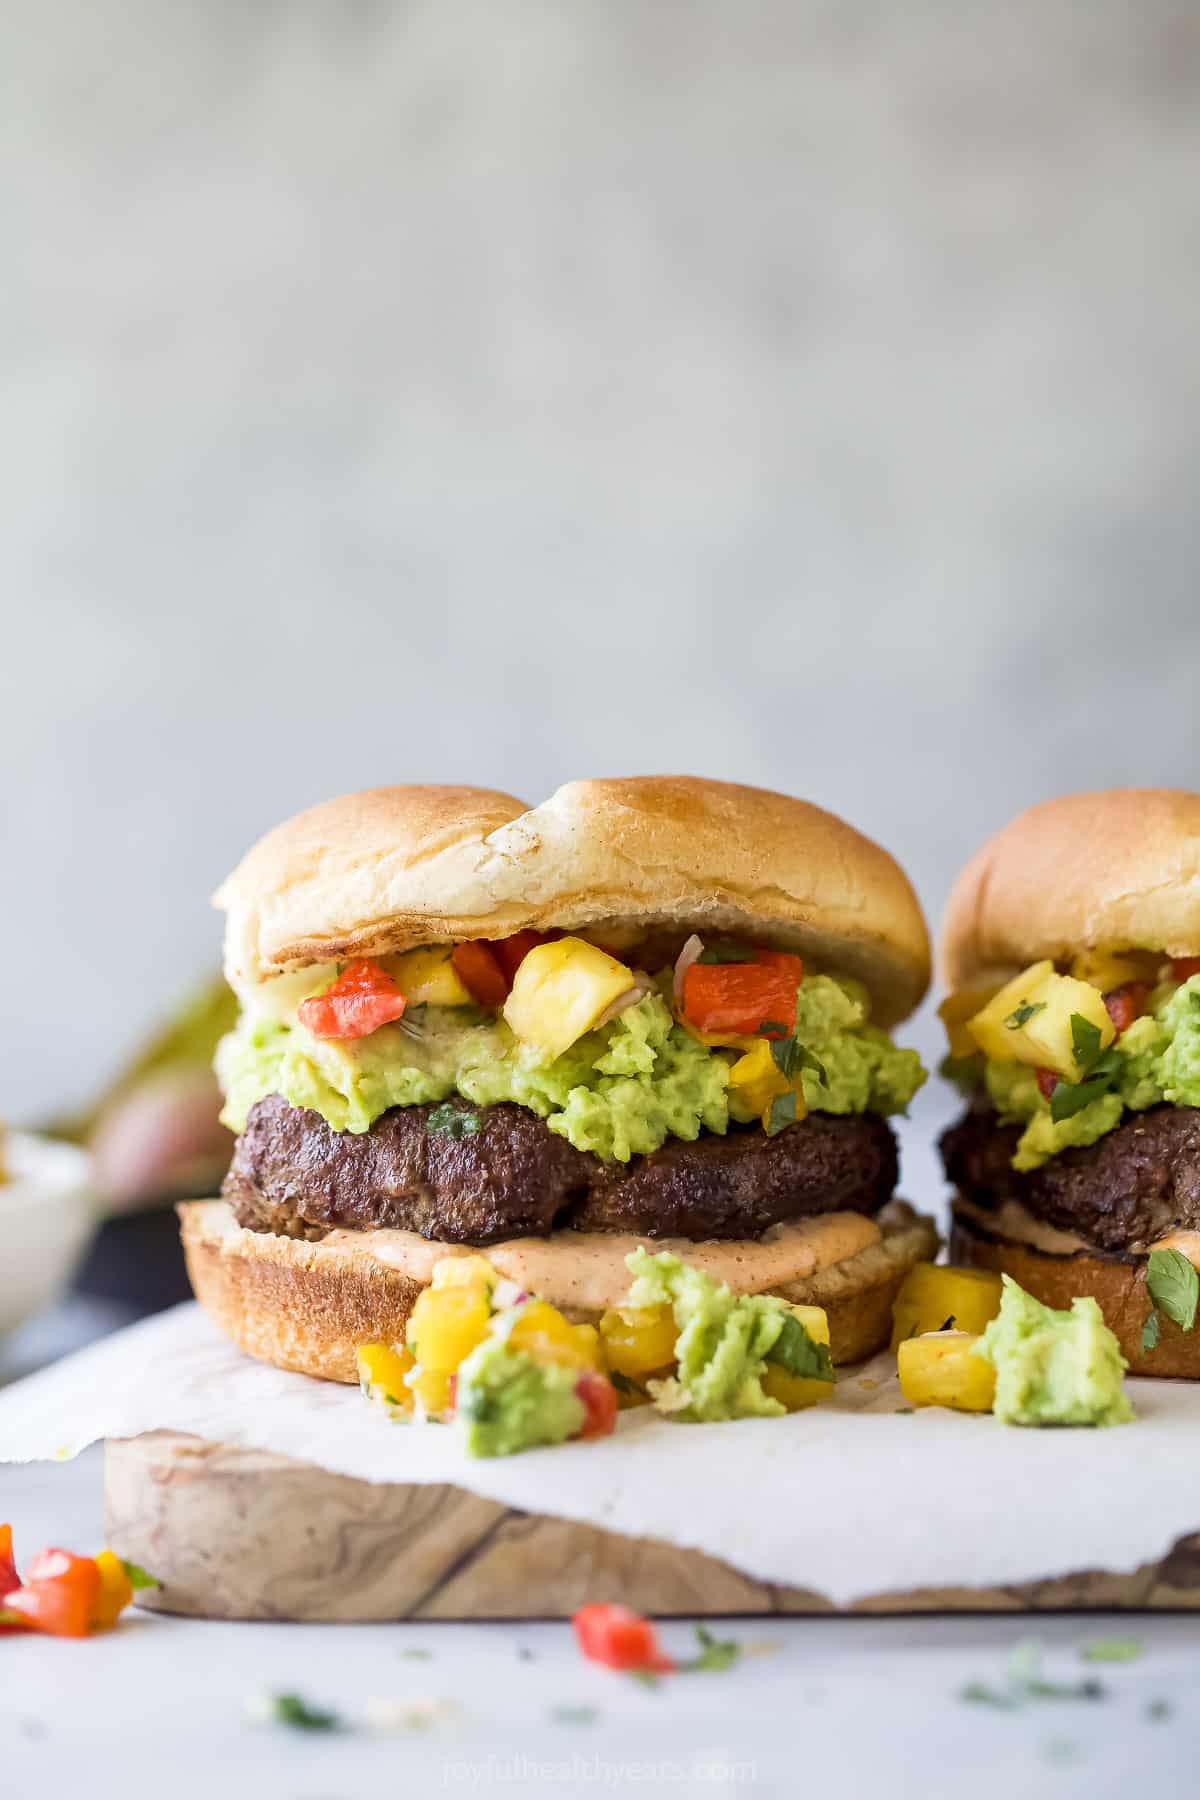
1115,870
392,867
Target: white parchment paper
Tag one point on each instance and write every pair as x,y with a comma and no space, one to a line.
848,1499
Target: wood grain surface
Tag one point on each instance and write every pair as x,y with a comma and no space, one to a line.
241,1534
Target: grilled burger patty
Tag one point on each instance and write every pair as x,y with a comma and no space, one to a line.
1133,1185
511,1176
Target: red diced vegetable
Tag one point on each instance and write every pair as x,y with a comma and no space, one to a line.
1047,1081
619,1638
1126,1003
1184,967
599,1398
363,998
741,997
479,970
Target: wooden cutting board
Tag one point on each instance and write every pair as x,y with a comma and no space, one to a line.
242,1534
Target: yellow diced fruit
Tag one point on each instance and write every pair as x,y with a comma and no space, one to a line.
957,1010
543,1333
795,1392
114,1593
382,1372
757,1079
942,1369
446,1324
560,990
465,1271
1108,969
427,977
639,1340
990,1028
431,1388
931,1293
1048,1039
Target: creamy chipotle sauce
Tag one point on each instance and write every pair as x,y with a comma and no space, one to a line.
592,1274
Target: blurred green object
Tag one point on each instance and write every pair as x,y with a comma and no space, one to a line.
187,1041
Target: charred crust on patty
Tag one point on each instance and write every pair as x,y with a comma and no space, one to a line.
293,1175
1131,1187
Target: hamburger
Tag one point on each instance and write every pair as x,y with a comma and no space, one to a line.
1071,948
653,1010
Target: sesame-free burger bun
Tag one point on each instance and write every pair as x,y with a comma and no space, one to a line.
307,1306
389,868
1114,870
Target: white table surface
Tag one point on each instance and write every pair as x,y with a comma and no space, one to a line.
838,1707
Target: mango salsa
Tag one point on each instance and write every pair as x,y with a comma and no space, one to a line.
930,1294
942,1369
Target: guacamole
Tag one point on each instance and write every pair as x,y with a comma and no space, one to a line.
1054,1368
507,1402
1159,1061
725,1342
620,1091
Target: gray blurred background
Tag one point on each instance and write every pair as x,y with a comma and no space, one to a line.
801,393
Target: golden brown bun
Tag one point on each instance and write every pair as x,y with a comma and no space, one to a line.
1118,1283
393,867
308,1306
1116,870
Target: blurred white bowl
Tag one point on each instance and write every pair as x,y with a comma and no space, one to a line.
47,1216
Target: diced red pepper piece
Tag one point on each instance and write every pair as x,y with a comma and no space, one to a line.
599,1398
510,952
1047,1081
619,1638
1184,967
8,1567
363,998
58,1593
479,970
1126,1003
741,997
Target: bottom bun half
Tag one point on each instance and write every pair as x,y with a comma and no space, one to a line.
307,1306
1117,1283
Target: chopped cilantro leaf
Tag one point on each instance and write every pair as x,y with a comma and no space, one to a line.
715,1653
294,1710
1097,1071
979,1694
416,1655
781,1112
573,1715
645,1677
1151,1330
795,1351
139,1578
726,953
790,1057
1112,1650
947,1324
453,1121
1174,1286
1022,1014
622,1383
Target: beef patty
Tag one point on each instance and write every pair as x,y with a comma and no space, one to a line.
1131,1186
512,1176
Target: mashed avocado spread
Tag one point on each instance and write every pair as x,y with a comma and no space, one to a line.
1054,1368
725,1342
620,1091
1159,1060
508,1402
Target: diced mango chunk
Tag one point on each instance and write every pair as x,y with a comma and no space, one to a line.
427,977
464,1271
932,1293
639,1340
795,1392
114,1592
446,1324
942,1369
560,990
955,1012
990,1028
1030,1020
383,1370
543,1333
1108,969
757,1080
